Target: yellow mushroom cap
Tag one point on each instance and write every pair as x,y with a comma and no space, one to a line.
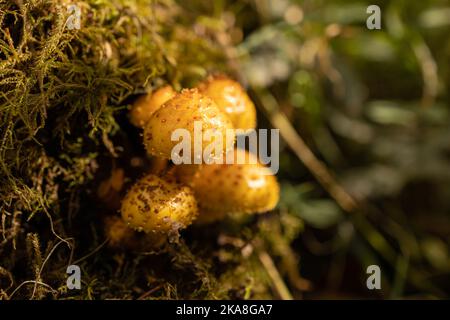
232,99
228,188
147,104
159,206
182,112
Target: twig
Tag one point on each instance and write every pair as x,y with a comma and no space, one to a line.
428,68
304,153
146,294
275,276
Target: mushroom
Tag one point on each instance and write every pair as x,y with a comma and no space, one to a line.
146,105
109,190
118,233
122,236
192,113
159,206
231,188
232,99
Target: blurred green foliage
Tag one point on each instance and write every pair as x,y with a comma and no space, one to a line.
373,105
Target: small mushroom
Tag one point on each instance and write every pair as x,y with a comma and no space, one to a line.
118,233
121,236
183,112
159,206
146,105
109,190
231,188
232,99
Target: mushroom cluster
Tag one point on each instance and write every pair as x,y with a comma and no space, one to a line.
170,198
